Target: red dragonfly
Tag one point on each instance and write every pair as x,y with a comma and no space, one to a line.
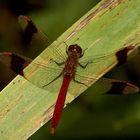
69,70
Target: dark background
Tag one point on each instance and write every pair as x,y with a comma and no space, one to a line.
88,117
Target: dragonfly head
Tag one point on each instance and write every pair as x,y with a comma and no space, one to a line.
75,50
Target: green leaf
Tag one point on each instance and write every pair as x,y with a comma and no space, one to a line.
24,107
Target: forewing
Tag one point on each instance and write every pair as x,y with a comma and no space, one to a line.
31,34
17,63
34,38
121,56
86,75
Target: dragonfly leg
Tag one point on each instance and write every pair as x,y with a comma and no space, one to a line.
78,82
67,47
58,63
84,52
84,66
53,80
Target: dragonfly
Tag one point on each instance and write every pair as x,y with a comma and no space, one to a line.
67,69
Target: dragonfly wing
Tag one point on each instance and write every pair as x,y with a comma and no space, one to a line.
15,62
110,86
32,37
117,87
29,28
121,56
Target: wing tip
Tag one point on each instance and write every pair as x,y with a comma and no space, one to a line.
25,18
130,47
7,53
134,88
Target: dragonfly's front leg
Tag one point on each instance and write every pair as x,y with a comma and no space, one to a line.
84,52
58,63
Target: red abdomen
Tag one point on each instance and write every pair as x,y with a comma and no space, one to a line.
60,103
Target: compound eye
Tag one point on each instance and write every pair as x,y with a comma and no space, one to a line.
71,48
79,50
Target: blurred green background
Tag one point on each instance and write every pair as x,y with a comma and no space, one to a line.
88,117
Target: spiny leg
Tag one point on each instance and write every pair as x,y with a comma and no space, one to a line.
53,80
66,47
84,51
84,66
57,63
78,82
